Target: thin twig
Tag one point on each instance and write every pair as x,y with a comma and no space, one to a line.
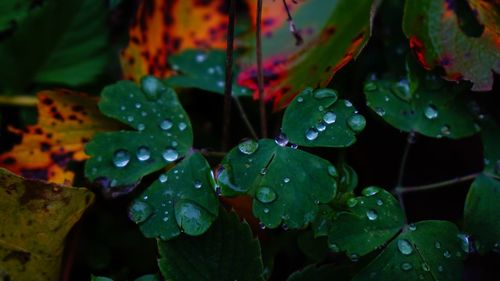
19,100
437,184
245,117
402,168
228,87
293,29
260,72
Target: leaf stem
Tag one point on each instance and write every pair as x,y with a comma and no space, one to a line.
260,72
402,167
245,117
437,184
228,87
18,100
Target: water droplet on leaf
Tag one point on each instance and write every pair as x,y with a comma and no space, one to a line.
430,112
265,194
406,266
311,134
248,147
357,122
166,124
192,218
370,191
170,154
140,211
281,139
143,153
325,93
405,247
371,215
121,158
329,117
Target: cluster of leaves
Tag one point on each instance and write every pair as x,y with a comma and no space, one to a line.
140,141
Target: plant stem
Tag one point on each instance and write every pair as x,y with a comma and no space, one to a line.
228,87
19,100
437,184
402,167
245,117
260,72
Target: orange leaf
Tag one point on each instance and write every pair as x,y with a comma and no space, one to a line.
165,27
67,120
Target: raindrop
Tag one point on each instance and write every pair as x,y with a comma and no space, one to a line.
200,58
170,154
356,122
197,184
325,93
332,171
440,268
121,158
334,248
371,215
192,218
143,153
370,191
139,211
321,108
445,130
380,111
138,105
163,178
347,103
220,84
402,89
406,266
437,245
266,210
447,254
405,247
182,126
380,202
464,242
130,118
300,99
141,127
286,180
321,126
281,139
265,194
354,258
166,124
248,147
329,117
430,112
412,227
295,146
151,86
425,267
351,202
262,225
311,134
370,87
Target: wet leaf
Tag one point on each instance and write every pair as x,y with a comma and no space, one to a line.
202,70
367,223
287,184
315,248
181,200
318,118
163,27
13,12
433,108
71,39
226,252
435,36
36,218
481,215
331,38
430,250
66,121
161,134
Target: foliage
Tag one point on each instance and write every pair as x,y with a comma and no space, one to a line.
350,91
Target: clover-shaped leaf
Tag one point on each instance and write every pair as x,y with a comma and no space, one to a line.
318,118
202,70
368,223
427,250
287,184
227,251
433,109
162,134
481,215
182,200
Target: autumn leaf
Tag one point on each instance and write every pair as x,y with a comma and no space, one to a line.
67,121
437,40
333,33
162,28
36,218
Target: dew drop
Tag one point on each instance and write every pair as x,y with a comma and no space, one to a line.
380,111
425,267
141,127
431,112
332,171
182,126
321,126
445,130
166,124
380,202
370,87
464,242
351,202
325,93
286,180
151,86
356,122
265,194
405,247
347,103
437,245
311,134
192,218
370,191
163,178
266,210
440,268
300,99
130,118
329,117
170,154
143,153
334,247
447,254
402,89
354,258
281,139
121,158
371,215
197,184
248,147
406,266
412,227
139,211
200,58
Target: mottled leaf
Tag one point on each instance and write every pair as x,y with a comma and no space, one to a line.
435,36
226,252
287,184
162,134
182,200
333,33
318,118
428,250
36,218
66,122
164,27
481,214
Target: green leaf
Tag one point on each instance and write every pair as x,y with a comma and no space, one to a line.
428,250
149,277
368,222
100,278
202,70
316,118
481,214
162,134
333,33
490,135
315,248
435,36
327,272
13,12
182,200
287,184
433,109
64,42
226,252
